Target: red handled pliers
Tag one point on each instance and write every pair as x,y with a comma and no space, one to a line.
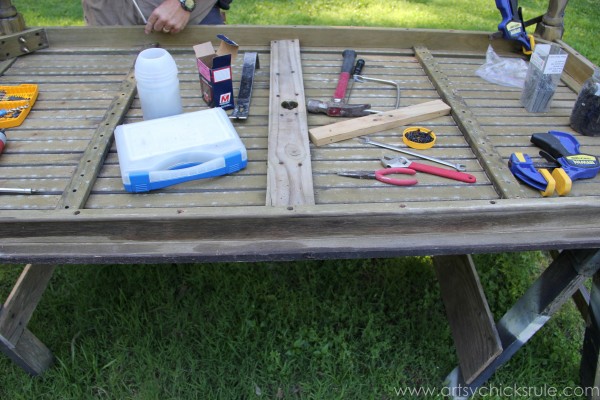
403,162
381,176
402,165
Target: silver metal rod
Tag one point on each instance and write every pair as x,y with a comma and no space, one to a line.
362,78
458,167
16,191
137,7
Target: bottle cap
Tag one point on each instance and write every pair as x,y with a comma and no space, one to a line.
154,65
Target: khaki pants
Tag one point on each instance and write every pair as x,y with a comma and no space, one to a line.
123,12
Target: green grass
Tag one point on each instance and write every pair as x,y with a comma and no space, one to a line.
358,329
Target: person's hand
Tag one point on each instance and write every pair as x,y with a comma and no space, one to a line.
169,17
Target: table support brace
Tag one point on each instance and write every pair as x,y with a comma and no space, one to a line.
590,357
549,292
16,341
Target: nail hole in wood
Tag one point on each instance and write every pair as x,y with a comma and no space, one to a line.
289,104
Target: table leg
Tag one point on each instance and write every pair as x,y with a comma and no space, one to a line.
552,25
16,341
590,357
547,294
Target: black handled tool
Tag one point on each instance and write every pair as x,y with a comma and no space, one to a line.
358,67
337,106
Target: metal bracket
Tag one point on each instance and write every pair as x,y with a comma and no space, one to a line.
21,43
242,107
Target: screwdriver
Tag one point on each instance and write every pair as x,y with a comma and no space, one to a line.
16,191
360,64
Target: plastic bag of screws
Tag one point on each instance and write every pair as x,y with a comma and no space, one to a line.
585,117
543,74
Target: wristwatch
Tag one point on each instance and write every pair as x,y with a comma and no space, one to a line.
188,5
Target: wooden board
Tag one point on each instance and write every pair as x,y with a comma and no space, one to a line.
352,128
473,328
289,176
16,341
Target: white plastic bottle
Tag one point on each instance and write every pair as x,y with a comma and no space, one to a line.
157,84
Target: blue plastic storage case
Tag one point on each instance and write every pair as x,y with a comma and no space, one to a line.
162,152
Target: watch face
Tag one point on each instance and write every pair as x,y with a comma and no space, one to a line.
189,5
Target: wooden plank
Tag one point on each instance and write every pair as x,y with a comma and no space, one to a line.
30,354
485,225
121,37
530,313
289,174
23,299
577,69
80,186
494,165
475,336
15,340
352,128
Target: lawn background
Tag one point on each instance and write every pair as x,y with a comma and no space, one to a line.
358,329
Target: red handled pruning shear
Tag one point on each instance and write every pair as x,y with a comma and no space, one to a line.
381,176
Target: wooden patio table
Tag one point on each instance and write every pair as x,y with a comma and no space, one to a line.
289,203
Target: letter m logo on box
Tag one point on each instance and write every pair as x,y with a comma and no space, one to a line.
225,98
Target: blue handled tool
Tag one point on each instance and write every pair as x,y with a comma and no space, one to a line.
562,150
512,26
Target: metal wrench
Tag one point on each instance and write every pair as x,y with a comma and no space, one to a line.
458,167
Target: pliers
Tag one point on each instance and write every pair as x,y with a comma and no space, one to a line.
402,165
381,176
403,162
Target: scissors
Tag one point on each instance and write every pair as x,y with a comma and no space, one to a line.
381,176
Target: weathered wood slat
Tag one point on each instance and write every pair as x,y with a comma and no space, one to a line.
378,193
177,199
51,171
471,321
16,340
235,182
494,166
86,172
363,38
200,233
534,309
289,176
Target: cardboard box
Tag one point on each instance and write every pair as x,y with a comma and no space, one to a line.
215,72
